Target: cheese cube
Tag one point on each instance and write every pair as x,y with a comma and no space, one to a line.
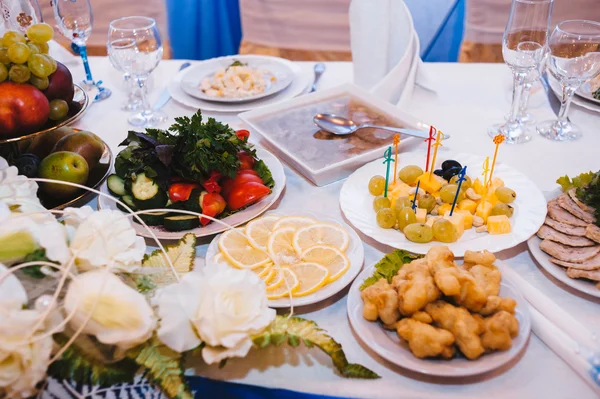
483,210
496,182
478,186
458,221
431,220
421,215
431,185
499,224
492,199
467,205
444,208
467,217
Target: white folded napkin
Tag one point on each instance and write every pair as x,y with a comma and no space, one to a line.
385,49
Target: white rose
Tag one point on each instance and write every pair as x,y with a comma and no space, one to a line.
73,217
221,306
107,239
16,189
121,316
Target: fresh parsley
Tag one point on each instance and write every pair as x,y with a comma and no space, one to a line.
388,266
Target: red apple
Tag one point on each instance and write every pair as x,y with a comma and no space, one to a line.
23,109
61,84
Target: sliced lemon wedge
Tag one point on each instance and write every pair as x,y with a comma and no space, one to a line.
264,270
290,283
237,250
296,222
321,234
281,248
258,231
330,257
312,276
276,280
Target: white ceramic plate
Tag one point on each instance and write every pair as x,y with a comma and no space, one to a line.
559,272
530,206
582,101
585,91
276,68
355,253
388,345
234,220
298,86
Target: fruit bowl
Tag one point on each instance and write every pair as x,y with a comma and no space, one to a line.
81,98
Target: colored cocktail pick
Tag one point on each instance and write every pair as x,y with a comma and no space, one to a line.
414,201
428,141
438,143
396,143
486,170
498,139
387,160
461,179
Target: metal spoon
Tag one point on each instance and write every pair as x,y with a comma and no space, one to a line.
319,69
341,126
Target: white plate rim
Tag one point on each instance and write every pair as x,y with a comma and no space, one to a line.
556,271
355,253
534,217
281,84
407,360
585,93
579,100
248,214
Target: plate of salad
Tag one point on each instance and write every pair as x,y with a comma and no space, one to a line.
194,166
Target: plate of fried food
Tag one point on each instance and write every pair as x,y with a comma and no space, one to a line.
430,315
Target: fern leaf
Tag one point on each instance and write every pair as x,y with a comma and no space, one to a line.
163,367
81,363
296,330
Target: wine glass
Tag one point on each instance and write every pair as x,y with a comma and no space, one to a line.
574,58
524,117
523,48
75,20
135,47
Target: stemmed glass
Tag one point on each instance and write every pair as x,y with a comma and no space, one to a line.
523,48
574,58
75,19
135,47
524,117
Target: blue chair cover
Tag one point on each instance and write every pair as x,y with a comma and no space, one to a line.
202,29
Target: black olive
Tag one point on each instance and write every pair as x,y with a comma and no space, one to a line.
28,165
438,172
450,173
450,163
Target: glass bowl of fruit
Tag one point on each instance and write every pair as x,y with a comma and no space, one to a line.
37,94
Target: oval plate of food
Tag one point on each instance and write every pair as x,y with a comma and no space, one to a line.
237,79
512,222
446,345
562,246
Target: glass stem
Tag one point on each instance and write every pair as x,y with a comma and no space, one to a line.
565,104
519,78
146,109
86,65
525,97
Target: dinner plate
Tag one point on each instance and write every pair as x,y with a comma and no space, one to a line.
355,254
236,219
585,91
278,76
580,101
559,272
530,206
388,345
298,86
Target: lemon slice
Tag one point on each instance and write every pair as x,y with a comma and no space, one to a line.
332,258
321,234
312,276
238,251
276,280
281,248
264,270
296,222
268,277
258,231
290,283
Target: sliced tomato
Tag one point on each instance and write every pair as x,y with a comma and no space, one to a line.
212,205
181,191
212,183
242,134
246,194
246,160
247,172
241,178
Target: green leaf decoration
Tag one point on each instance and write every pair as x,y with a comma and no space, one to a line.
39,255
264,173
297,330
85,363
580,181
388,266
162,367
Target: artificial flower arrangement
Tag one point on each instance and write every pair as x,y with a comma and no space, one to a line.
114,313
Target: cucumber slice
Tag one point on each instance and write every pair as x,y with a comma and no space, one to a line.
156,202
194,203
128,200
152,219
116,185
147,194
181,222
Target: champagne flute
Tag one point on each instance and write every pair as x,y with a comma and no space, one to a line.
574,58
135,47
523,48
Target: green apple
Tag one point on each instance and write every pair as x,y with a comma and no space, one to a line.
65,166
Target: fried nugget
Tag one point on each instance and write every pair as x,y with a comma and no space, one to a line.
422,317
439,257
488,277
381,301
496,304
499,330
465,328
462,287
485,258
415,287
425,340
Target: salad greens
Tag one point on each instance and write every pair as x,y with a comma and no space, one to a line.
388,266
587,189
578,181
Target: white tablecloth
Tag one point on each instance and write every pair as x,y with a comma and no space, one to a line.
469,98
